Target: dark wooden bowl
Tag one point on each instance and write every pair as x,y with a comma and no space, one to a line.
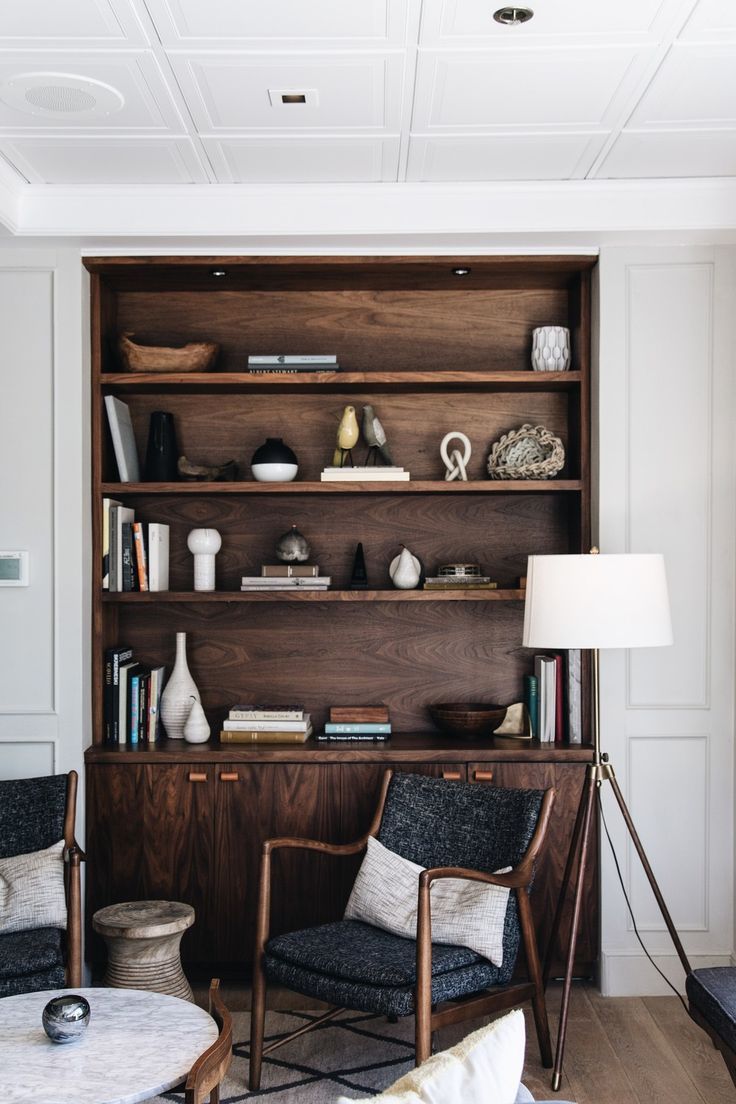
467,719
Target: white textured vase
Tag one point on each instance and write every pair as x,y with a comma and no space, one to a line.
405,571
196,729
176,700
551,349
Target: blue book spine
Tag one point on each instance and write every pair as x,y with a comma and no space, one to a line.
349,729
135,685
531,698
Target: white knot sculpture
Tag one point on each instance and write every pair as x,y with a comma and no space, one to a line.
455,462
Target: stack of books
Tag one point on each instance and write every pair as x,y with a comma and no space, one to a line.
373,474
266,724
459,582
135,554
553,697
284,577
260,365
131,699
357,722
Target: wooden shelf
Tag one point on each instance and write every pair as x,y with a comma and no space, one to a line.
416,486
523,380
169,596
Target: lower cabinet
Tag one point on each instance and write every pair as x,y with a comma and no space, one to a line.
194,832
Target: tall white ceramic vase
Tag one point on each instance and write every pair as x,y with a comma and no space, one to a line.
176,700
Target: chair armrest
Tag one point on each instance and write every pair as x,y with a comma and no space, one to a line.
514,879
74,854
315,845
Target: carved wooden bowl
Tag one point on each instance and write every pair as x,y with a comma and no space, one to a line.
467,719
198,356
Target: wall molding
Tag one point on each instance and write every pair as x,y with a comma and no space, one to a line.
624,974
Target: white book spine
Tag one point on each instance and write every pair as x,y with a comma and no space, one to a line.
123,516
545,670
292,359
574,696
158,556
123,439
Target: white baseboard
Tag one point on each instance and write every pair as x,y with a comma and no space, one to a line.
632,975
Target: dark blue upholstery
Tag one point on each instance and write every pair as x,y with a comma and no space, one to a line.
713,992
31,814
432,822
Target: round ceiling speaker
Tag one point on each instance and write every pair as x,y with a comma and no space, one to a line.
60,95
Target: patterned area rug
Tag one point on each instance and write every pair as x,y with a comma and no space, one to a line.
355,1055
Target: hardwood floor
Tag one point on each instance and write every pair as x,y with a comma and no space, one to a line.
632,1050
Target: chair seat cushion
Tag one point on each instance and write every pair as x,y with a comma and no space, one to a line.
352,964
31,952
712,991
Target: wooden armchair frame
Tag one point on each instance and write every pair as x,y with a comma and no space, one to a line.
450,1012
208,1072
73,857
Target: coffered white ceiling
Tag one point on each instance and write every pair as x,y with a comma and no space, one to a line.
180,93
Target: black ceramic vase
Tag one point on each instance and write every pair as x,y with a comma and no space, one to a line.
162,453
274,462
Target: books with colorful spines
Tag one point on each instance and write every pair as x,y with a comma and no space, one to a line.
254,737
545,671
359,729
259,712
288,571
356,737
365,475
136,685
158,556
140,556
107,504
127,670
154,704
268,725
573,686
114,658
357,714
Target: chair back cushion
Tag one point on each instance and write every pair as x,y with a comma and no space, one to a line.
31,814
433,822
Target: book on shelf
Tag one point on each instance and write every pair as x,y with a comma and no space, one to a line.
559,702
296,360
354,737
288,571
460,580
574,689
158,556
129,569
127,670
119,515
250,725
545,669
291,369
253,736
285,583
123,439
136,703
141,562
107,504
531,700
359,714
153,725
361,728
266,712
114,658
365,475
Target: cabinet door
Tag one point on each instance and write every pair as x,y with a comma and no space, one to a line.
263,801
567,779
177,834
114,867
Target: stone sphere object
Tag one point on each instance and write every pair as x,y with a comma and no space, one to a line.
66,1018
292,547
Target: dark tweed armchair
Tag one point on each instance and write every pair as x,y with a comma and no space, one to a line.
454,830
34,814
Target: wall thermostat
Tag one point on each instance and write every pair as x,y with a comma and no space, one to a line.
13,569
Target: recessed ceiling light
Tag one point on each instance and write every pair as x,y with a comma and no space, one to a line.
218,272
461,271
513,17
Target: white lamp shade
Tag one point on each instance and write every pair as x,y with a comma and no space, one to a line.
597,601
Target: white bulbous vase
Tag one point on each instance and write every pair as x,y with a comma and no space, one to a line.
196,729
204,544
405,570
176,700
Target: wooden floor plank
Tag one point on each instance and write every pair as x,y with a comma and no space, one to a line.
694,1049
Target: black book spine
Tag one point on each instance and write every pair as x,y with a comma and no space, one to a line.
144,693
130,569
111,697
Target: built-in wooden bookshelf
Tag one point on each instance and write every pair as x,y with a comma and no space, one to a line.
433,352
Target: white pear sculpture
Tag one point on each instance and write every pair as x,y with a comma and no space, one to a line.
405,570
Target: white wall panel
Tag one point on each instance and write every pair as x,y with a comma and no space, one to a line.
666,773
27,758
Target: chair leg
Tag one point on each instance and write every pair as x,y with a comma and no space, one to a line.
257,1024
215,1095
539,1004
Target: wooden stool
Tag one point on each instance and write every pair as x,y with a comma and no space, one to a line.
143,940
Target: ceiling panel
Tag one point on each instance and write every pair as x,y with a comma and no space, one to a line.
304,160
671,153
98,160
550,156
142,99
695,84
29,24
352,91
711,20
252,23
529,88
453,23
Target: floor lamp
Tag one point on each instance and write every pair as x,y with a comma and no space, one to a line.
592,602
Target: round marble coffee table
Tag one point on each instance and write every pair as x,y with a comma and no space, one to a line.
143,940
136,1046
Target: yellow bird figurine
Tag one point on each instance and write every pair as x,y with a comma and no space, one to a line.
348,432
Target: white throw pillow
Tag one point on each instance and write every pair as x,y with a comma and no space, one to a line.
32,890
485,1068
465,914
